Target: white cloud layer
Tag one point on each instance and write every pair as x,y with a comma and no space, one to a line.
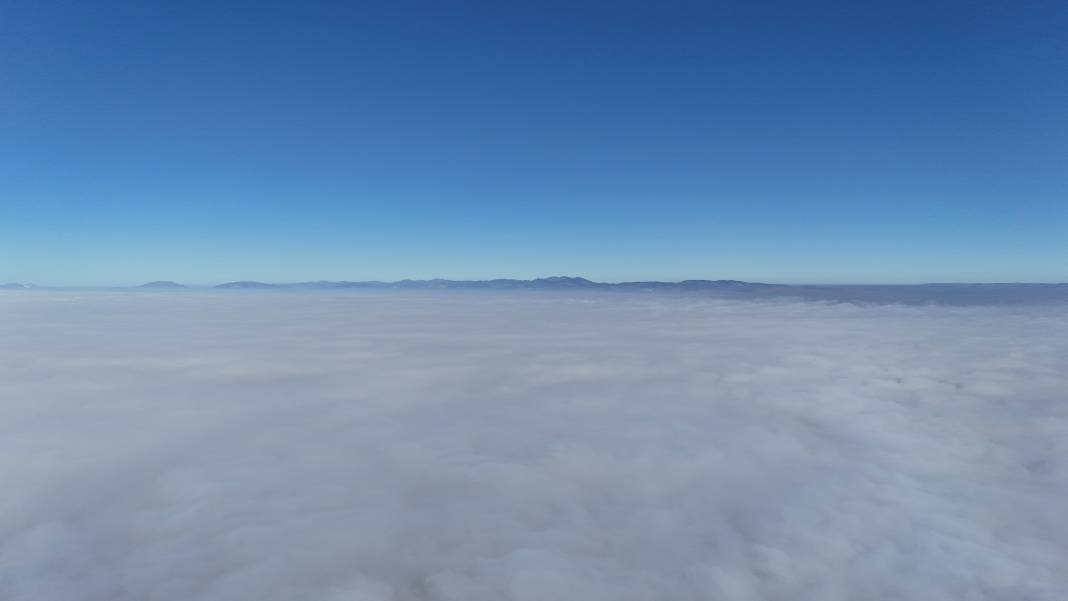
538,447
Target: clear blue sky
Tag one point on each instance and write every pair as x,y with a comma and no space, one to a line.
778,141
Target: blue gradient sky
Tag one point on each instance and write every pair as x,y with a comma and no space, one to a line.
776,141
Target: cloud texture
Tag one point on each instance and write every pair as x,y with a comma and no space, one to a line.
469,447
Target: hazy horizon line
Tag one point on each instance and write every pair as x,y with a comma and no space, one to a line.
579,280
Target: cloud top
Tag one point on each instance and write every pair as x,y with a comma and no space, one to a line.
402,446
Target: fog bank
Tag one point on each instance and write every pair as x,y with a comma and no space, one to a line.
536,447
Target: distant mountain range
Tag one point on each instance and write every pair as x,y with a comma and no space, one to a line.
551,283
960,294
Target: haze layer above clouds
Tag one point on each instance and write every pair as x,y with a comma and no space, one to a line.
468,447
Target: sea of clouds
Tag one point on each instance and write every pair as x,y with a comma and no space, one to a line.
528,447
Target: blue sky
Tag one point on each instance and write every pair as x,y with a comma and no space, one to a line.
775,141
